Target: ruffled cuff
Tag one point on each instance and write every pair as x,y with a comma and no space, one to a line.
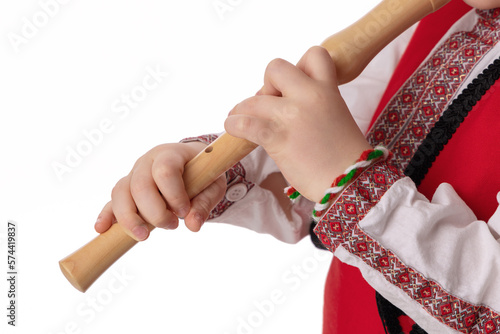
339,225
440,301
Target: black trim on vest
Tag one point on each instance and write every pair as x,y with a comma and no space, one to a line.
426,154
422,160
390,315
449,122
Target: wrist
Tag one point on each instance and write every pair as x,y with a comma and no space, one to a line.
336,165
366,159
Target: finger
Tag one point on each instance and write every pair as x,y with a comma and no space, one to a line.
203,203
257,130
258,106
283,79
268,89
150,204
126,212
105,219
169,180
318,65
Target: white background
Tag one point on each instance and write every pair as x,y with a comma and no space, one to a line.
66,77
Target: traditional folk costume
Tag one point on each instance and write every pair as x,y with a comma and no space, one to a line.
421,228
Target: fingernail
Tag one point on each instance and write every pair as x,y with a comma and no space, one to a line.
98,221
199,219
140,232
173,224
183,212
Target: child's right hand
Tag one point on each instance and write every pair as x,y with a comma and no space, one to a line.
153,192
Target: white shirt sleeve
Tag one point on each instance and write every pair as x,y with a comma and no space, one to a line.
259,209
442,240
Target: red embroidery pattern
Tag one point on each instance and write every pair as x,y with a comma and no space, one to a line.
342,218
401,127
207,139
414,110
339,227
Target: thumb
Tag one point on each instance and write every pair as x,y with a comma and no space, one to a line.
318,65
203,203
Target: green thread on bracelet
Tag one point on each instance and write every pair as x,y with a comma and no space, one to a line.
325,199
344,179
375,154
347,178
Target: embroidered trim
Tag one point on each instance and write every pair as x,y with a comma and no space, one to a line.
403,125
206,139
449,122
314,238
417,106
367,158
339,227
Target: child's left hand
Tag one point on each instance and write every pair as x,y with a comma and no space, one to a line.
302,122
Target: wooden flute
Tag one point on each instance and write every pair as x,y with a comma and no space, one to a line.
351,49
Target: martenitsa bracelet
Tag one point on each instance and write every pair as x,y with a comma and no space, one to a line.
366,159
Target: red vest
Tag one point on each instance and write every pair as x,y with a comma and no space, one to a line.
468,162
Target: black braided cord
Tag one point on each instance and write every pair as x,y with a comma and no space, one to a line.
449,122
427,153
389,314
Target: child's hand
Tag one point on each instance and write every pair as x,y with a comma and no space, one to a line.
153,192
302,122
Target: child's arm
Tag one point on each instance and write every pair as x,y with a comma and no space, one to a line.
153,193
433,259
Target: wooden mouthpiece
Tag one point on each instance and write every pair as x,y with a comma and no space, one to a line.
351,49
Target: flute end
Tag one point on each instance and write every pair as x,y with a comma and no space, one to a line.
67,268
